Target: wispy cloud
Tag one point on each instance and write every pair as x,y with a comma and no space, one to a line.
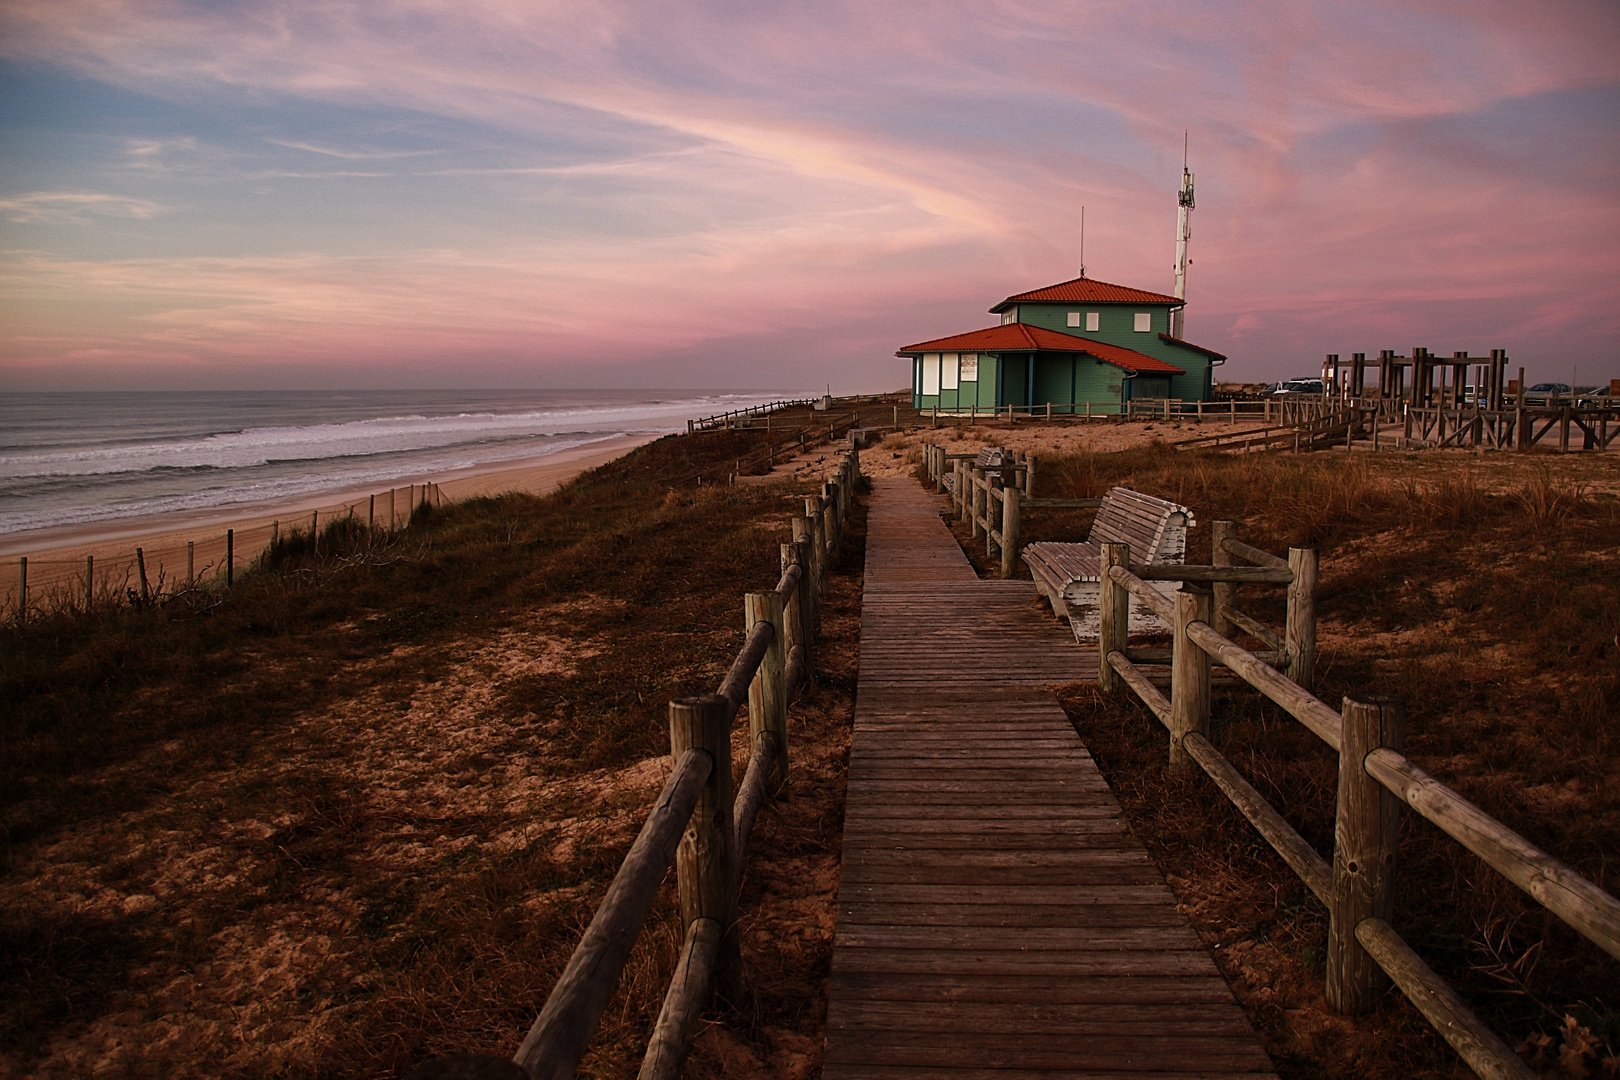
73,207
351,155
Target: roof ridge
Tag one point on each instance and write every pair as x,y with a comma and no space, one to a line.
1089,290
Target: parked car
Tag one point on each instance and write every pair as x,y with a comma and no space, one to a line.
1294,387
1546,393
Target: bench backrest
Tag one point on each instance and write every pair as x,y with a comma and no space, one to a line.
1155,528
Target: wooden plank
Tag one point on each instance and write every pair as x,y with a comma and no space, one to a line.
1081,857
1073,940
1090,1018
987,1050
1033,916
1072,896
854,986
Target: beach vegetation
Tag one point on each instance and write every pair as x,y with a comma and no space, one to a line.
356,810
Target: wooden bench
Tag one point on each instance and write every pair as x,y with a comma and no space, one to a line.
990,459
1069,575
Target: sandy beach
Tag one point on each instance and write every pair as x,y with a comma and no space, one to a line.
57,557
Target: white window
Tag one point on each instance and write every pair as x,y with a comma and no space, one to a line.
1009,316
930,374
947,371
970,367
1074,318
1094,321
1144,322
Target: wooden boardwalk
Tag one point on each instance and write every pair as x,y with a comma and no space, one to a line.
995,917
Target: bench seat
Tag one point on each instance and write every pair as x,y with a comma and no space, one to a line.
1069,575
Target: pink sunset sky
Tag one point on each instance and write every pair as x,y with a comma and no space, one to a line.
751,195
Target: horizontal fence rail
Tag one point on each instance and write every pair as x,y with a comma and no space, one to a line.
1375,780
699,823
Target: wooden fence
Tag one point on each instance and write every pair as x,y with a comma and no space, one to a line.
1394,424
727,419
699,822
1375,781
794,442
148,575
1263,409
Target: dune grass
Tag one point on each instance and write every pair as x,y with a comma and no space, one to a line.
356,811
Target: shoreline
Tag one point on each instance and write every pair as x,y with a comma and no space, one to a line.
114,541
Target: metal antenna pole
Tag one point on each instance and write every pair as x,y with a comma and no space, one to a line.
1082,241
1183,234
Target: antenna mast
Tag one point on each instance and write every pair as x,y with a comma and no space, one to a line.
1183,234
1082,241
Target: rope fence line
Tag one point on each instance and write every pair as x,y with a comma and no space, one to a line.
47,586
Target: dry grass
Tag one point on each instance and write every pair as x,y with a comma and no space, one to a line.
358,811
1486,592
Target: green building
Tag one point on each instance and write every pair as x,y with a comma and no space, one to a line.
1070,345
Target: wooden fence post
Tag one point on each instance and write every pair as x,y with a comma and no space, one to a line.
835,516
977,501
963,491
22,591
90,583
1189,677
1364,841
191,563
767,694
804,535
1114,616
706,861
797,612
1299,635
992,504
939,469
230,558
818,553
1029,464
140,567
1010,497
1223,590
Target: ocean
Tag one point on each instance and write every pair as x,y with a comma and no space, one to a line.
85,458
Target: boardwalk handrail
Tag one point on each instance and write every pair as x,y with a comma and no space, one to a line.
1356,886
698,822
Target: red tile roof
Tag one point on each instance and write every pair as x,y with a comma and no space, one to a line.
1089,291
1021,337
1211,353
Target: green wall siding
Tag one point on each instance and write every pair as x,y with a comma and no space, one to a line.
1115,327
979,394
